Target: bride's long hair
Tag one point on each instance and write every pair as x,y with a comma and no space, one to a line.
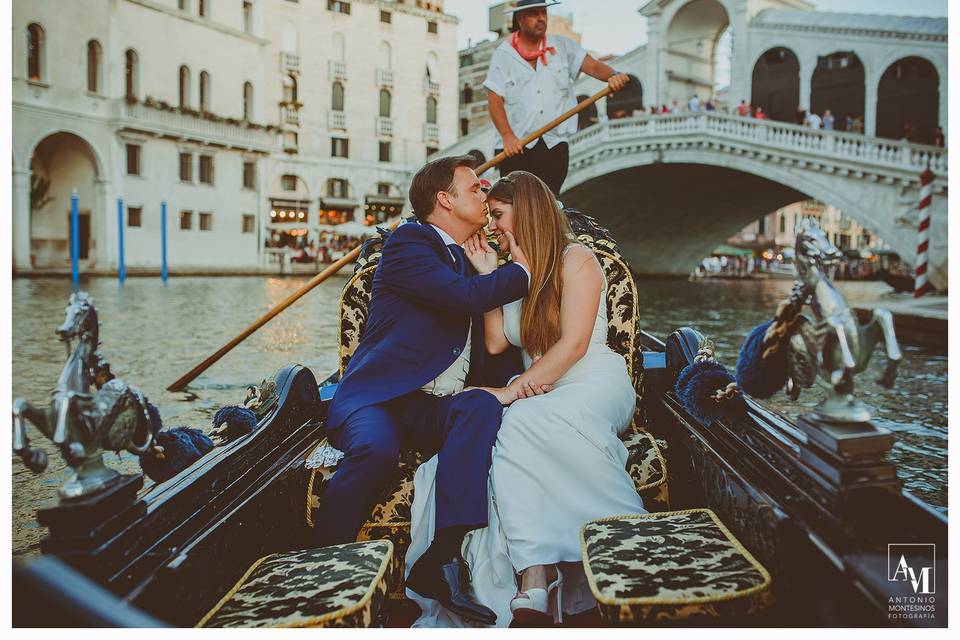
542,230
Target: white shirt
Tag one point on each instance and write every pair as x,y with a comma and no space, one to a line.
532,98
814,121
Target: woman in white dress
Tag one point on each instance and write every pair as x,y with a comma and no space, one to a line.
557,461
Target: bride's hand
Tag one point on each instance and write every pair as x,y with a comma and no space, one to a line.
505,395
480,254
531,388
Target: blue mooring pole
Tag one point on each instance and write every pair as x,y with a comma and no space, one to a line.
121,267
75,238
163,240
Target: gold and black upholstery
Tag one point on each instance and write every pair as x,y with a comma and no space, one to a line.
339,586
669,567
646,463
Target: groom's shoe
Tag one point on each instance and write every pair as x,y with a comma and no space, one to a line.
449,584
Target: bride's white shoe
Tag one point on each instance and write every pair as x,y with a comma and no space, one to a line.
533,605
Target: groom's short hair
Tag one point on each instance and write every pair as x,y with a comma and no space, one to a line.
434,177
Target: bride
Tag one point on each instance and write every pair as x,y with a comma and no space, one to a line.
557,461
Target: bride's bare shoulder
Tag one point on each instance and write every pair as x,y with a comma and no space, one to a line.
578,259
576,255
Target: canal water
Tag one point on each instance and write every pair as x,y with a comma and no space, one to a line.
152,333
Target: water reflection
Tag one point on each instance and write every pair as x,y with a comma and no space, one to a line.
153,333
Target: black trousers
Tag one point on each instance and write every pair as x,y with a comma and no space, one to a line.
550,165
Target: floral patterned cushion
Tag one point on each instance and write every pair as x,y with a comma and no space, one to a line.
665,567
339,586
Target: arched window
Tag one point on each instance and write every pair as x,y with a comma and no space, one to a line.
94,54
337,96
35,52
184,87
289,89
131,74
247,101
204,91
384,103
431,110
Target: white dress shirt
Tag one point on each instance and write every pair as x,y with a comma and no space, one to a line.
532,98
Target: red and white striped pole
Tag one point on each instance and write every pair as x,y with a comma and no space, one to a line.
923,233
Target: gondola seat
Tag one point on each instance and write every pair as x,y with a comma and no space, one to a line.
670,567
339,586
646,463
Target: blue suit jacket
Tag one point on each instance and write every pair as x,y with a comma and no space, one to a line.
418,318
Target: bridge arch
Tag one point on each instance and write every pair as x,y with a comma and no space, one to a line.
636,177
624,102
839,83
691,33
775,85
908,96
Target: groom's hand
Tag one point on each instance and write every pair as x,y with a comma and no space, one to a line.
480,254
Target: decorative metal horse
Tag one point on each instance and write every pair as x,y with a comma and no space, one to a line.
833,346
81,423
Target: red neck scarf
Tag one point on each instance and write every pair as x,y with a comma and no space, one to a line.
541,52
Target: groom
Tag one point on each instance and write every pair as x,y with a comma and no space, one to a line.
422,345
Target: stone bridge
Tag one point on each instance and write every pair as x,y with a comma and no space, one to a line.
671,187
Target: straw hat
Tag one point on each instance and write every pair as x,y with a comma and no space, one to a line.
523,5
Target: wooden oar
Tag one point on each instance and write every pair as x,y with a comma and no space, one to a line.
350,257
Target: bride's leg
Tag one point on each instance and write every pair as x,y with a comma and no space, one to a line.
537,577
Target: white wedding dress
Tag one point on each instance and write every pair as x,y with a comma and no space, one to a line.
557,463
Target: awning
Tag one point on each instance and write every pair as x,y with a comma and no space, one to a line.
727,250
286,203
338,203
290,226
353,229
387,200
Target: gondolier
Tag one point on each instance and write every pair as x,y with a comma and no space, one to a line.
529,83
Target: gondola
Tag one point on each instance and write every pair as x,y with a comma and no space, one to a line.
754,520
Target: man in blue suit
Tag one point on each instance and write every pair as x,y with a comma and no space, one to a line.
403,387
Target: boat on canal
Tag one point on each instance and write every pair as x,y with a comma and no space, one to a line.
753,519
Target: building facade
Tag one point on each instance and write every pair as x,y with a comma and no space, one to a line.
777,229
141,106
364,91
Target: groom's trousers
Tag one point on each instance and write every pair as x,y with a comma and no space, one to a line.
462,428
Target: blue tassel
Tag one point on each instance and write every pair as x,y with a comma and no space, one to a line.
182,446
760,377
239,421
696,386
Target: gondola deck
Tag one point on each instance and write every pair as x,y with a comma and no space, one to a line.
175,551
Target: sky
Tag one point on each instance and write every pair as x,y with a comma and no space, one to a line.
615,26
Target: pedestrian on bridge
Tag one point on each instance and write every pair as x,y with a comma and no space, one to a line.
530,83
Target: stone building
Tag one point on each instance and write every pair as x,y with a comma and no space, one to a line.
777,229
220,109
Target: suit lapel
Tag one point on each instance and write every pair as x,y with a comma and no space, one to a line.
440,243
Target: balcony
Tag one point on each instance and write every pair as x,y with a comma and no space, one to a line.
337,120
161,119
431,133
430,87
384,128
290,115
338,70
289,63
385,78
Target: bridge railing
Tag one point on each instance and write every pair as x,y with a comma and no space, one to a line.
850,147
